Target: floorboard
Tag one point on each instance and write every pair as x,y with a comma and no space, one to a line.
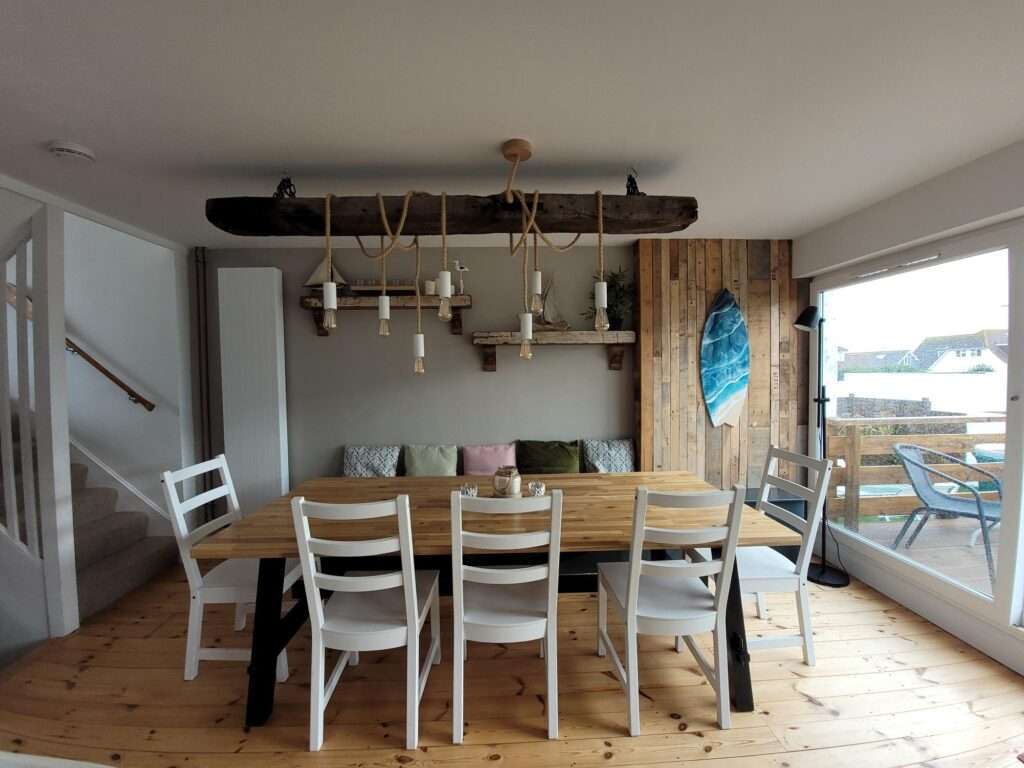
889,690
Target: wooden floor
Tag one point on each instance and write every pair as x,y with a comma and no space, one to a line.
889,689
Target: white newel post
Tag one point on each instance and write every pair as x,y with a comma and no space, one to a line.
51,413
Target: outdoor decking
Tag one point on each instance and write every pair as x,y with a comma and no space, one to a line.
944,546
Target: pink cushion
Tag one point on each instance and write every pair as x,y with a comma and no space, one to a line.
487,459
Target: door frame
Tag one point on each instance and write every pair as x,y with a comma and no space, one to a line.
893,573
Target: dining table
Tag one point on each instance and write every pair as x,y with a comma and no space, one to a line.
597,516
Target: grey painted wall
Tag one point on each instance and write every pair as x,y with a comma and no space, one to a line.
356,387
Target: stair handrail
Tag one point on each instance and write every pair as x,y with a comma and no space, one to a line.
71,346
121,480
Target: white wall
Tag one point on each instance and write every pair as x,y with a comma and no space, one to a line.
981,192
124,306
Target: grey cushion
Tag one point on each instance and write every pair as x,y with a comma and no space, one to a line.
370,461
608,456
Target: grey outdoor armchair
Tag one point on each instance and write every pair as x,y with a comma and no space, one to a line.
970,504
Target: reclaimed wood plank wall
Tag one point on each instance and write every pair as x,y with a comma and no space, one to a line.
677,280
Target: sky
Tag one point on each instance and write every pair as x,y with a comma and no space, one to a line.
898,311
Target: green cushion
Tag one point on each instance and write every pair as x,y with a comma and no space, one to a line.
547,457
434,460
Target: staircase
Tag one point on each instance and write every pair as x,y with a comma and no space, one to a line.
113,555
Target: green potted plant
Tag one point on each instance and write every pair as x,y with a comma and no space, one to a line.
621,293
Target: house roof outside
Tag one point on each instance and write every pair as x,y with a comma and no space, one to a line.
934,347
877,360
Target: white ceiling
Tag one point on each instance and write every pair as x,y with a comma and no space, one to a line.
778,116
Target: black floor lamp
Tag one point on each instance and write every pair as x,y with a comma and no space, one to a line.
821,573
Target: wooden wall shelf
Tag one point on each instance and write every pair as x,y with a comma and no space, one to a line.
614,341
347,303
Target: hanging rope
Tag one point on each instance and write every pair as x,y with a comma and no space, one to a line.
392,236
444,231
419,308
327,238
511,179
536,228
383,270
600,235
536,256
526,262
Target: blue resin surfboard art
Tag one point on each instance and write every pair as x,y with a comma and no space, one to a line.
725,361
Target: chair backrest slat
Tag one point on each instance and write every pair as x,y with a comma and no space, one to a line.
372,583
361,548
180,509
506,541
776,512
813,493
510,506
674,537
312,547
204,498
504,575
722,538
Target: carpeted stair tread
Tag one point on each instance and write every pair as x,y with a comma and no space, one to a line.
109,579
90,504
108,535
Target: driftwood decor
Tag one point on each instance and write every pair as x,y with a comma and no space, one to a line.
466,214
614,341
316,305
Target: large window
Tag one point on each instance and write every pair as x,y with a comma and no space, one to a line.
915,365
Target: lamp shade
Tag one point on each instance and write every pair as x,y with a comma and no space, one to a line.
808,320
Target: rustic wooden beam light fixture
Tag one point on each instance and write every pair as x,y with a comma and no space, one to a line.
428,214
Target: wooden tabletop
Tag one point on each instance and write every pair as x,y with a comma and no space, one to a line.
597,514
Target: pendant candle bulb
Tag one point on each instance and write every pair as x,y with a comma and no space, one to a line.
330,305
525,335
537,293
384,315
418,353
601,306
444,292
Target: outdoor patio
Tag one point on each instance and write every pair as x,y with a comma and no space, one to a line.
944,546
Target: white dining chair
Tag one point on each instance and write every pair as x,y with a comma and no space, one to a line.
505,604
229,582
668,597
367,611
763,570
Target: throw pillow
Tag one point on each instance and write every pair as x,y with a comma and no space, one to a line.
430,460
547,457
370,461
487,459
608,456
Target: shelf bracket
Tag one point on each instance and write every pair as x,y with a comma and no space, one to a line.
489,353
615,354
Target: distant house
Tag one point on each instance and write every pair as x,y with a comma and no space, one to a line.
879,360
963,352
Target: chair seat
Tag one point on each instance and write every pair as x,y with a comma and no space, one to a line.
760,563
965,507
363,621
241,575
662,598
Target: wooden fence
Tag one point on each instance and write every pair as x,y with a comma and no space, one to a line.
852,441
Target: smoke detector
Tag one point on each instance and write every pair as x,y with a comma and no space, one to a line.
69,150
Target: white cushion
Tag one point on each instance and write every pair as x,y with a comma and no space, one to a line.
352,613
661,597
763,563
505,604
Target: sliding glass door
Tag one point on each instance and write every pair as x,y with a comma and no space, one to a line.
916,364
